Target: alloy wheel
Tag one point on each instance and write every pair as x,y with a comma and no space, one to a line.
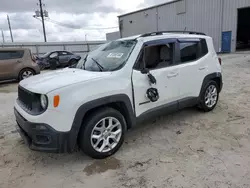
106,134
211,96
27,74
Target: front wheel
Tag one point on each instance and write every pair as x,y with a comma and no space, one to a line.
26,73
209,96
102,133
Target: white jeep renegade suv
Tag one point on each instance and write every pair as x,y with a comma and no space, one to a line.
113,88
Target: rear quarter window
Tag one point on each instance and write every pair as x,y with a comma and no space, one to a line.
191,51
204,49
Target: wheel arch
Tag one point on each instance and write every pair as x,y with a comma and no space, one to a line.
217,77
120,102
29,68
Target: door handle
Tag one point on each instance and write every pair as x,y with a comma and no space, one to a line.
202,68
173,74
18,61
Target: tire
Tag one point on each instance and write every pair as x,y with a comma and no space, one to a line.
208,102
93,128
25,73
73,63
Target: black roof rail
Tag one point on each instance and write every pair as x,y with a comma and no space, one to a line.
162,32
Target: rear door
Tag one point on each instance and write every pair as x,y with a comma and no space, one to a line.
159,59
10,61
194,62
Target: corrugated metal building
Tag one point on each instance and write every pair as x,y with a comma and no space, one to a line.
227,21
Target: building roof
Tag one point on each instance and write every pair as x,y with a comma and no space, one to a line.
155,6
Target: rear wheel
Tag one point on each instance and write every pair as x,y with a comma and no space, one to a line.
103,133
26,73
209,96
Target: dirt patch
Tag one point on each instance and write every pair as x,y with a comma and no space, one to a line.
100,166
8,88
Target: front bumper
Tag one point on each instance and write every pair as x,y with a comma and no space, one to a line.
42,137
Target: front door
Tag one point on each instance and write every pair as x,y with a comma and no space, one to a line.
159,58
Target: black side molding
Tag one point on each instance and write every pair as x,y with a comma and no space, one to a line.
158,111
128,112
216,75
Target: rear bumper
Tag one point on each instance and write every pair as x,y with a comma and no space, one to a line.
37,69
221,83
42,137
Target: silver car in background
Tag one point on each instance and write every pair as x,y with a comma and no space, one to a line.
62,58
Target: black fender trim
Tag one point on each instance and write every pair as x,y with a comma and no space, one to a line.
211,77
82,110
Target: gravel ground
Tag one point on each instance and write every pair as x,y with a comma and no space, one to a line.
183,150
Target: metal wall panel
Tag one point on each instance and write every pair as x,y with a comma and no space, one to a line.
76,48
139,22
202,15
230,17
180,7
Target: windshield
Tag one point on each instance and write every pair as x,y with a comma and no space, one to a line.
108,57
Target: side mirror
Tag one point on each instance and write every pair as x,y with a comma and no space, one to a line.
151,78
145,71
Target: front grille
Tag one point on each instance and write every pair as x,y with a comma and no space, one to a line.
28,100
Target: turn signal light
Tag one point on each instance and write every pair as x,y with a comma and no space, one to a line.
56,100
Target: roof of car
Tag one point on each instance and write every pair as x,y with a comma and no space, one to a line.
163,36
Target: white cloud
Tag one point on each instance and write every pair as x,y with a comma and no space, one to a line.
79,15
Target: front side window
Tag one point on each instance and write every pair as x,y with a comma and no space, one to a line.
156,56
159,56
189,51
108,57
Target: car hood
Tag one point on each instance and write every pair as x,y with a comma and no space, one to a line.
50,81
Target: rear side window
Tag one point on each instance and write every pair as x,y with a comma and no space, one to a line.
204,49
189,51
63,53
5,55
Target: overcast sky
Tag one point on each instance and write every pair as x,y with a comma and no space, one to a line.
78,14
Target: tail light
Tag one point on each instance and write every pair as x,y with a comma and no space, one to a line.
33,58
219,60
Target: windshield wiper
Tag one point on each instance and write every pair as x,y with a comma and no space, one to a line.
85,59
98,64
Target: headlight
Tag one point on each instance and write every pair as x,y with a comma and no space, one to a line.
44,101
